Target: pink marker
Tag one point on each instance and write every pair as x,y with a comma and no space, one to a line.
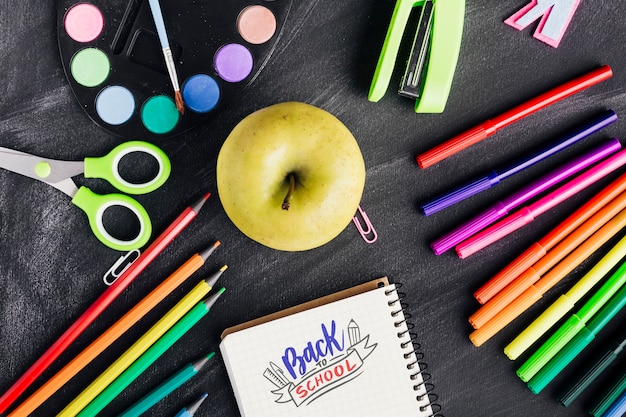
506,205
526,215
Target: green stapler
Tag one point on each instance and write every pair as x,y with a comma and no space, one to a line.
431,65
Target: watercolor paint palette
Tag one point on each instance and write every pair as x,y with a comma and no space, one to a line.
114,63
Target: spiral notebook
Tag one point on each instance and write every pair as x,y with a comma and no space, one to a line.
348,354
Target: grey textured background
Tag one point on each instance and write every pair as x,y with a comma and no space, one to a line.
51,265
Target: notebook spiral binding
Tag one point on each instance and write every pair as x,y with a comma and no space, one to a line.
409,339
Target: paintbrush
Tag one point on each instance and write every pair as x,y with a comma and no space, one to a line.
157,15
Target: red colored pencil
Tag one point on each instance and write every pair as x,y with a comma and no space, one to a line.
489,127
101,304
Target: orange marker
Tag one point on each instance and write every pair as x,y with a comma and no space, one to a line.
532,274
114,332
538,249
535,291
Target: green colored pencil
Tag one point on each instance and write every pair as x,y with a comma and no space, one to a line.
150,356
167,387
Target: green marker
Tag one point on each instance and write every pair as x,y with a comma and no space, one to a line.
609,397
166,388
150,356
572,326
436,46
578,343
598,366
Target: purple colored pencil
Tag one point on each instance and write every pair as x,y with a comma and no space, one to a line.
504,206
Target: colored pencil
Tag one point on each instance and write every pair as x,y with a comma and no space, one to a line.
614,212
150,356
114,332
539,249
107,297
140,346
166,388
191,409
533,293
566,302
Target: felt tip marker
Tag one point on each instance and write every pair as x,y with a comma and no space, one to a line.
566,302
528,214
578,343
539,249
618,408
597,368
535,292
600,228
495,176
506,205
573,325
489,127
610,396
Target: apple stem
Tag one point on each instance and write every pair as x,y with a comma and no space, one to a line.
292,185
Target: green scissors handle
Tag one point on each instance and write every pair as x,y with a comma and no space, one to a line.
94,205
107,167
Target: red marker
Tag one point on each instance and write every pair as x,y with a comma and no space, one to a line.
101,304
489,127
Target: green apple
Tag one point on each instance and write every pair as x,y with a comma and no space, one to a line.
290,176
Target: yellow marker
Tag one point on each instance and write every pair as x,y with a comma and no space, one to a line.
140,346
566,302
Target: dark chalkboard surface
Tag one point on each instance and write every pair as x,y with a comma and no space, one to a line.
51,266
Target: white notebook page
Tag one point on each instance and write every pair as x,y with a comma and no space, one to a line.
344,358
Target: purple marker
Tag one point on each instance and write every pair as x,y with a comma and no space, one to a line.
502,208
495,176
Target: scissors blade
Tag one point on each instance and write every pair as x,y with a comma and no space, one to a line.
51,171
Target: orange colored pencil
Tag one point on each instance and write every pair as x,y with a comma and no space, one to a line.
539,249
560,251
536,291
114,332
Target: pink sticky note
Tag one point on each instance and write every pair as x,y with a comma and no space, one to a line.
555,17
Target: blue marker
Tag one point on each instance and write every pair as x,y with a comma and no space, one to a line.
191,409
618,408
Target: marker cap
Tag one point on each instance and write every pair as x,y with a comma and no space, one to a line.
550,348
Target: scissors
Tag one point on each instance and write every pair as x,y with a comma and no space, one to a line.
59,175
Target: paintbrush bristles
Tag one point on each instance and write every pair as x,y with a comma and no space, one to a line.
180,105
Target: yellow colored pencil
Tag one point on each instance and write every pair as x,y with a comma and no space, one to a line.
140,346
113,333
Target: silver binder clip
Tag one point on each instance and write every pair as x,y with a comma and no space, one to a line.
368,233
121,265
